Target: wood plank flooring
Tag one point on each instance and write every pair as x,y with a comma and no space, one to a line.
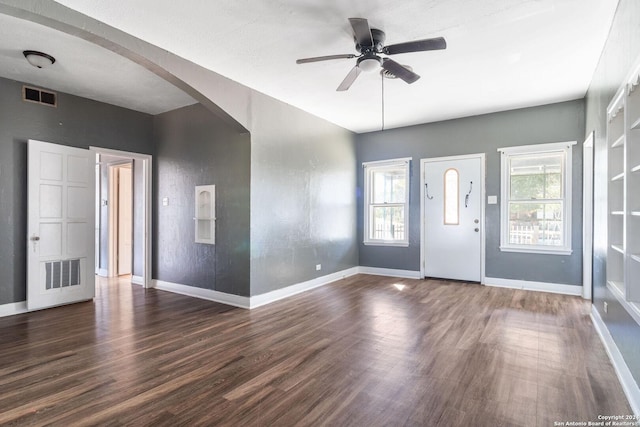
363,351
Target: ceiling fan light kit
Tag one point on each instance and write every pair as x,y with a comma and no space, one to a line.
368,64
370,45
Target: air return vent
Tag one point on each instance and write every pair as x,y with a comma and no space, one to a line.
39,96
60,274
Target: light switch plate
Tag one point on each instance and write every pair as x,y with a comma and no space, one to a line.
165,201
492,200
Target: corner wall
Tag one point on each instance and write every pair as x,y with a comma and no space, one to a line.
481,134
303,187
194,147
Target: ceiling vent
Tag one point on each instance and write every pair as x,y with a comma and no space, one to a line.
39,96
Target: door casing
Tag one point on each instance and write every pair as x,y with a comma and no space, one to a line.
587,216
423,165
145,161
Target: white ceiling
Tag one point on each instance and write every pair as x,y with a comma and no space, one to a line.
502,54
83,69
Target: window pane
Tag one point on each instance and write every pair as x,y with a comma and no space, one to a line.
388,185
535,224
537,176
451,197
387,223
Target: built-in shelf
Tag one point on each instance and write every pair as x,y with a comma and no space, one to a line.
623,200
618,142
618,248
618,177
619,286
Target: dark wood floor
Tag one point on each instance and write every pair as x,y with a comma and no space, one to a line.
364,351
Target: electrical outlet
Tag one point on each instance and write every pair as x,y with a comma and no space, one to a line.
606,307
318,267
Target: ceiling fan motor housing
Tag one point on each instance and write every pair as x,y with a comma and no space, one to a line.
378,37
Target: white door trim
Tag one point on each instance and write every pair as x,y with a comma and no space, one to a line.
146,161
423,164
587,215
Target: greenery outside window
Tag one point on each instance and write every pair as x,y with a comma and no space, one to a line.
536,198
386,199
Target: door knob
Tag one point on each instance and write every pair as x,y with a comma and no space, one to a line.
34,239
476,229
476,221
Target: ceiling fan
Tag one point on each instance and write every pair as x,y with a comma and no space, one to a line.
370,45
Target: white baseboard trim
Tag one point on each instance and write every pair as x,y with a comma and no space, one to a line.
554,288
628,383
391,272
207,294
137,280
278,294
13,308
103,272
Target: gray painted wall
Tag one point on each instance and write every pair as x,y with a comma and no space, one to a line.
620,52
75,122
481,134
194,147
303,184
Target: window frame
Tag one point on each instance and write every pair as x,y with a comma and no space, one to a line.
506,154
446,196
369,168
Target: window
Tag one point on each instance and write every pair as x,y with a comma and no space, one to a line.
451,193
386,198
536,198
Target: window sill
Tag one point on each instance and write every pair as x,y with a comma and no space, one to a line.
375,243
536,250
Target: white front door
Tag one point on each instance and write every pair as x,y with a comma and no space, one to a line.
60,226
453,217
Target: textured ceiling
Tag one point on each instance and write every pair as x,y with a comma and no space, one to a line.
502,54
83,69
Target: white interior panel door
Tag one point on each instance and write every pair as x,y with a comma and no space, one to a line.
60,226
125,226
453,219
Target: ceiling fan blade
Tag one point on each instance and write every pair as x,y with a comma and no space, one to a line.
351,77
361,31
399,71
416,46
325,58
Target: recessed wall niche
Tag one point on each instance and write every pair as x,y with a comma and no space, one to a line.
205,218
